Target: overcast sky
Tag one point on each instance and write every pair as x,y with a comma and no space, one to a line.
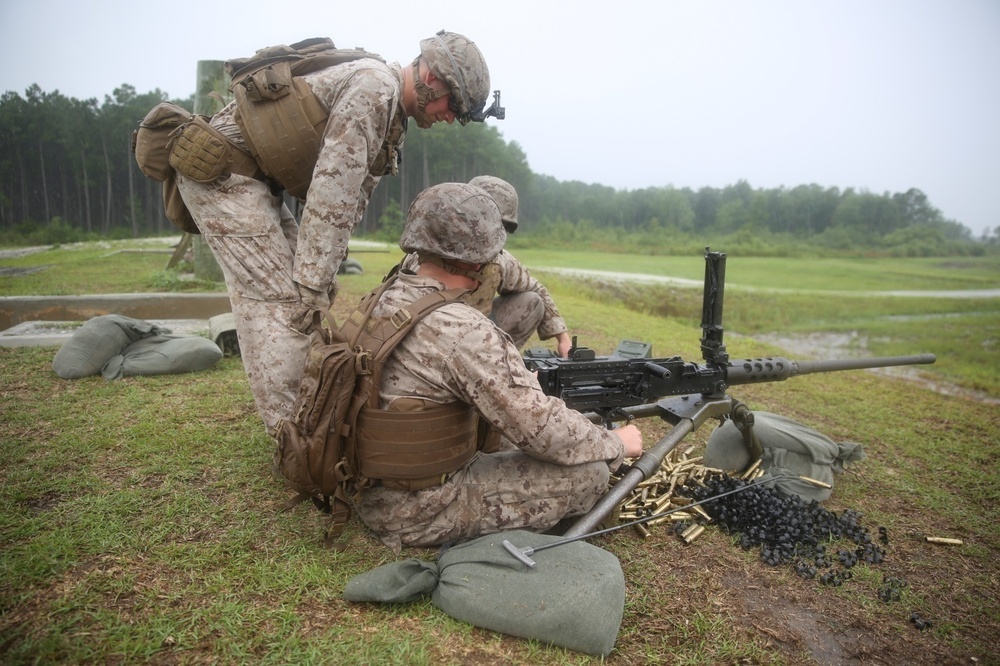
878,95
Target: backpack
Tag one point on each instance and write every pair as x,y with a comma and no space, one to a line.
316,453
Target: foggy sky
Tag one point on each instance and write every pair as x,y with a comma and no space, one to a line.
877,95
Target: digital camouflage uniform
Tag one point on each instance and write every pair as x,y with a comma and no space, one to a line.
558,462
523,305
261,251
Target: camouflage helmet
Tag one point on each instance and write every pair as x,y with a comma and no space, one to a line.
504,194
454,221
456,60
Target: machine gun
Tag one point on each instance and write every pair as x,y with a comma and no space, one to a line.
629,384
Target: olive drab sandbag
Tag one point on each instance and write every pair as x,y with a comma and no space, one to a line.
574,596
791,450
117,346
163,355
97,341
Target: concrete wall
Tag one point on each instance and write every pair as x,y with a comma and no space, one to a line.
17,309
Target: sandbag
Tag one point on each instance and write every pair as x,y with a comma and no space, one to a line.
98,341
791,449
222,330
163,355
574,597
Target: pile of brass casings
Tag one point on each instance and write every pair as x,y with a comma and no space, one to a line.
657,494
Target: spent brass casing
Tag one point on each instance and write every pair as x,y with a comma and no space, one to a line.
944,540
750,470
691,535
815,482
702,513
661,502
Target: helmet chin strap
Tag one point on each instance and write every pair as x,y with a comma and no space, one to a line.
425,94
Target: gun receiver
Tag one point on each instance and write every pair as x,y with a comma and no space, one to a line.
686,394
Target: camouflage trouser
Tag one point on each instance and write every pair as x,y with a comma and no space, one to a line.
493,493
252,235
518,314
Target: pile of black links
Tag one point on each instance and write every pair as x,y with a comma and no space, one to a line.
790,530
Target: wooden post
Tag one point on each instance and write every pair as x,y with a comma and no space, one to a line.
212,86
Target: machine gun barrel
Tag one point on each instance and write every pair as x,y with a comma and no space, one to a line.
776,369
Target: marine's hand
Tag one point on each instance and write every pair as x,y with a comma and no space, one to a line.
563,344
308,315
632,439
317,300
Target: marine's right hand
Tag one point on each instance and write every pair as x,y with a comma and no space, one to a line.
632,439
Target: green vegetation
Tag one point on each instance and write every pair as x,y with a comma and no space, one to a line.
138,523
81,183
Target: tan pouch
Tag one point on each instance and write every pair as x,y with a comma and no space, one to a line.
173,206
151,143
199,151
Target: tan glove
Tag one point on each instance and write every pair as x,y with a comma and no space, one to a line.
308,315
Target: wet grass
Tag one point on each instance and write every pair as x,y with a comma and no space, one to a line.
138,522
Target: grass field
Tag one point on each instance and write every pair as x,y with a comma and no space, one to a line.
137,520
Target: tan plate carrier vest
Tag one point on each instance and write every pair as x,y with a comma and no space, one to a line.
282,121
415,443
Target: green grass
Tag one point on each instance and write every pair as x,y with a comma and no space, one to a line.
138,522
801,273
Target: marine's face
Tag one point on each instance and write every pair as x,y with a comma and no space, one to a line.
437,110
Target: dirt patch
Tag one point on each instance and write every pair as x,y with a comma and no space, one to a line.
12,271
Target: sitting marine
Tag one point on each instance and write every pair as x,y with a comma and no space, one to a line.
514,300
554,463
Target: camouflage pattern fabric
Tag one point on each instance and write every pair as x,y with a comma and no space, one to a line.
523,306
244,225
557,461
261,250
459,62
518,315
454,221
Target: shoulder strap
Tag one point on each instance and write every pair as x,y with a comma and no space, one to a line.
374,339
390,330
356,323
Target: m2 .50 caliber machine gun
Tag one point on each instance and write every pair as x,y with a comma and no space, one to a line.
630,385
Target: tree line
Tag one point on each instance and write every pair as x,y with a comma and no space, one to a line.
67,173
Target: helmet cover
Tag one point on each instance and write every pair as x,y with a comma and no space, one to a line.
454,221
504,194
